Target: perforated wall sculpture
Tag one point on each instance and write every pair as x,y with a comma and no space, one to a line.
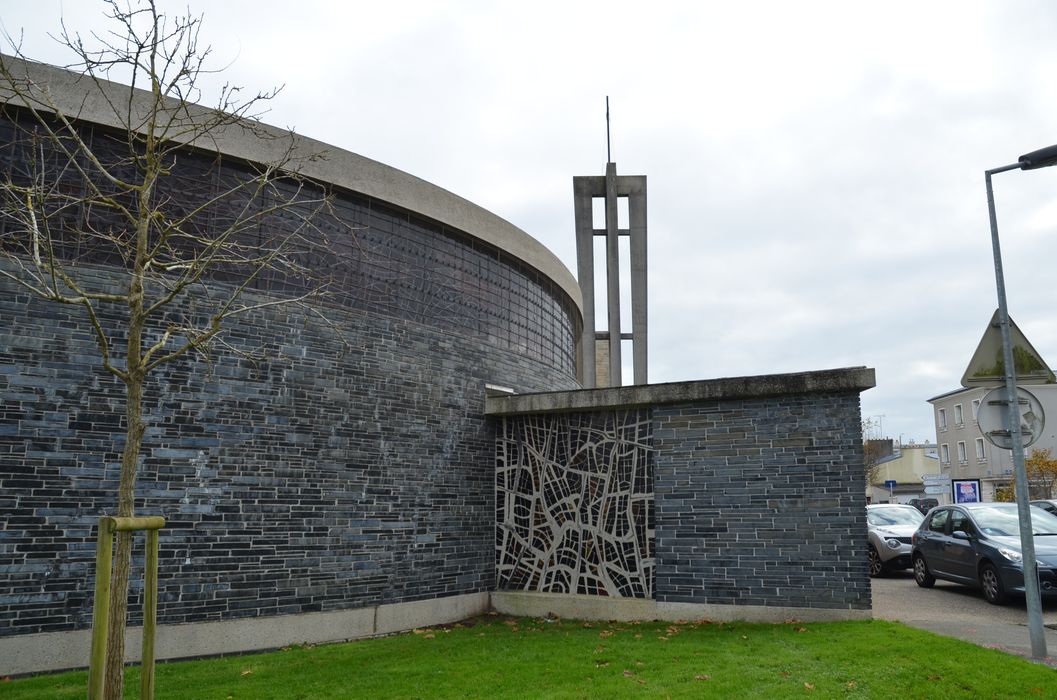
574,495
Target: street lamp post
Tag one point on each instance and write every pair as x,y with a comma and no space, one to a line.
1042,158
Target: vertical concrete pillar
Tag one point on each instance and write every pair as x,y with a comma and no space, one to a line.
585,274
613,277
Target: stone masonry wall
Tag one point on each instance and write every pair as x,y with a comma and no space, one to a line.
761,502
332,474
755,493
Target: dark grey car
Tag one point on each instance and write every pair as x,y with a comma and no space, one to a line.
978,544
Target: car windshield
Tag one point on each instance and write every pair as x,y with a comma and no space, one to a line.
1003,521
879,517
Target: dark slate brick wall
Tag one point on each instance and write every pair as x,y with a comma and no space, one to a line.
761,502
326,476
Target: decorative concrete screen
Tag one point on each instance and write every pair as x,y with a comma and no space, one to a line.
575,504
742,495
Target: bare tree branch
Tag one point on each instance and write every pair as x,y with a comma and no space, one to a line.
93,214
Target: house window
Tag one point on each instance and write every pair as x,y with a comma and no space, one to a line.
945,454
958,422
976,408
981,456
961,453
941,418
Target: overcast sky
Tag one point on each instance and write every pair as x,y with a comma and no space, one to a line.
815,169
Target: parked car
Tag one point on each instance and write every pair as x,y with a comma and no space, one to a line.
924,504
1047,505
978,544
890,527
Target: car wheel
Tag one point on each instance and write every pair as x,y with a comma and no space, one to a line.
877,567
991,582
921,573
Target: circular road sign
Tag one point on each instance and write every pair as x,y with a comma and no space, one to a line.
992,418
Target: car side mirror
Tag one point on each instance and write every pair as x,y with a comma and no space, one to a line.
961,535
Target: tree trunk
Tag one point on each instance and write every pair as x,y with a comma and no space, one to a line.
115,648
134,380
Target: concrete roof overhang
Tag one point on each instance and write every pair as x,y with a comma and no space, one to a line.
79,97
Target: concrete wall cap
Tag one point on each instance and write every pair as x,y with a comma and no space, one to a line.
851,379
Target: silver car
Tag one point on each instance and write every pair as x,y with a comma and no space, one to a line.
1048,505
891,527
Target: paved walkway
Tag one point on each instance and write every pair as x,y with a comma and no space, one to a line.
961,612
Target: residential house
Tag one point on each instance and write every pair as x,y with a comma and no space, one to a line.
898,475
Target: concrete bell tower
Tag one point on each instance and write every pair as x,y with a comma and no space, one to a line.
600,350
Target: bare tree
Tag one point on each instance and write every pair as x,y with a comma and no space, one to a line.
873,451
74,197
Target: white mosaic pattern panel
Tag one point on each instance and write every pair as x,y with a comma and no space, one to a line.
574,495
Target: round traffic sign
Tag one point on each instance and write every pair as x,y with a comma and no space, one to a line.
992,417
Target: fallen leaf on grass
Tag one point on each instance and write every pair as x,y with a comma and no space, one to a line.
935,677
606,634
629,674
429,636
809,686
663,639
800,629
246,672
851,685
601,664
703,677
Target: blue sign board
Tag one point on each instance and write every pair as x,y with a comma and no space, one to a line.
891,484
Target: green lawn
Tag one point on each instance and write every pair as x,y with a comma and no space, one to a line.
496,657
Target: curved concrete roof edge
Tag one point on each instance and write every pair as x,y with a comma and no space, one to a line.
76,96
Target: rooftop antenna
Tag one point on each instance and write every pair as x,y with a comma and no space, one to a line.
609,155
